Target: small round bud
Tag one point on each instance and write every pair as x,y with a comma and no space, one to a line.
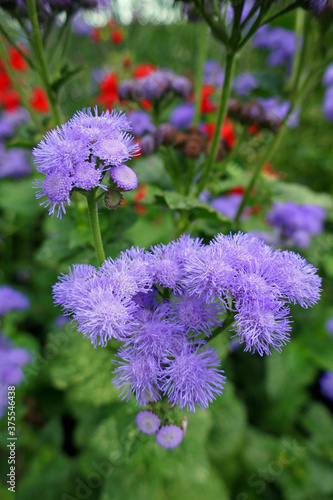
124,177
147,422
113,199
169,436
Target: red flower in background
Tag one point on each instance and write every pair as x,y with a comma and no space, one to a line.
17,61
227,131
10,100
206,105
140,194
117,37
5,82
143,70
237,190
108,91
95,35
38,100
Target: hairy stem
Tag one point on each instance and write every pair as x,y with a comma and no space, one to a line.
202,39
94,226
229,70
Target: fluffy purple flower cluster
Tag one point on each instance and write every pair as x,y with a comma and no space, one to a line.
295,224
11,361
279,42
244,83
155,86
168,436
328,96
165,303
78,154
12,300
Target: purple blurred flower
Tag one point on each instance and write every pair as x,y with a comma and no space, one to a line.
317,5
326,385
279,41
213,74
12,300
10,120
155,86
328,76
141,123
11,361
169,436
13,162
148,144
244,84
227,205
329,326
182,115
294,224
276,111
328,104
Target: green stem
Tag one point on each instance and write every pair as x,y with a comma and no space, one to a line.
43,69
301,29
202,39
218,28
256,25
94,226
13,44
281,12
229,70
225,326
18,88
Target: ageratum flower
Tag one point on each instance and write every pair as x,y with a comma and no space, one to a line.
78,154
326,385
169,436
12,300
11,361
147,422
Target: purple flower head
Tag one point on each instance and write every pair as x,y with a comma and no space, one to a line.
276,111
73,285
244,84
12,300
137,374
11,361
227,205
262,324
213,73
147,422
329,326
13,162
181,85
328,104
326,385
193,377
77,155
169,436
195,315
102,314
182,115
141,123
10,120
279,41
124,177
328,76
294,223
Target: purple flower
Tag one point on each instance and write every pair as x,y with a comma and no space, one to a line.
244,84
279,41
137,374
213,74
182,115
328,76
276,111
10,120
193,377
124,177
326,385
227,205
12,300
329,326
79,153
169,436
148,144
11,361
328,104
195,315
148,422
294,224
141,123
13,162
